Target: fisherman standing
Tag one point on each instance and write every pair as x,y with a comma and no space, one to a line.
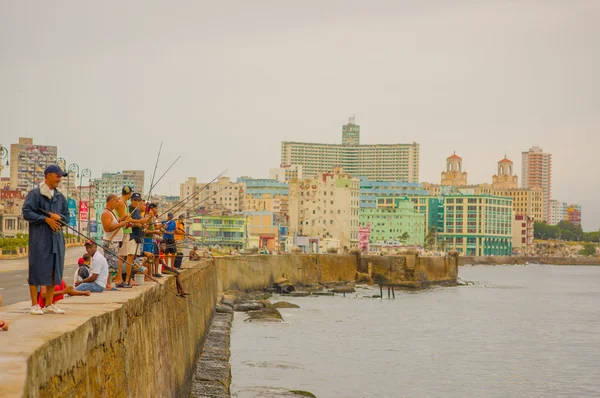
44,208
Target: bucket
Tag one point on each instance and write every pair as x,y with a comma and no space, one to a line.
139,279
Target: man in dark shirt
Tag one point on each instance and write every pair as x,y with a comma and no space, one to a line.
137,222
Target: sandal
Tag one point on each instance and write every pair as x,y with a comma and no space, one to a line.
123,285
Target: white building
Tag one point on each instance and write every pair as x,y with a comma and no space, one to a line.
557,211
326,207
114,183
378,162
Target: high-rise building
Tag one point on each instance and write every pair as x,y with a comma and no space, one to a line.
113,183
327,207
557,211
478,225
28,162
378,162
537,172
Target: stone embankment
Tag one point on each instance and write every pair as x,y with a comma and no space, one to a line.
503,260
146,341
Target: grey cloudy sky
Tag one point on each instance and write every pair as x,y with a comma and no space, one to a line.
222,83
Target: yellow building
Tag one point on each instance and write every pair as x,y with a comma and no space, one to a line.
326,207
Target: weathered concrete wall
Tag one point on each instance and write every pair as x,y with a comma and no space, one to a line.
501,260
410,270
258,272
138,343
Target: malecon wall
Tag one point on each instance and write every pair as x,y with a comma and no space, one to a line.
411,271
145,342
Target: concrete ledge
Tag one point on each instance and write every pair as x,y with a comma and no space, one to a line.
137,342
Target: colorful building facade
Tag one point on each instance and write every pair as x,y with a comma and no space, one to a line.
394,220
478,225
227,231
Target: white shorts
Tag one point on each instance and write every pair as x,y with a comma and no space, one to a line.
129,246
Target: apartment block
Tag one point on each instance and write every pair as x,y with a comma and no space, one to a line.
378,162
326,207
227,231
393,221
537,172
478,225
557,212
113,183
28,162
221,195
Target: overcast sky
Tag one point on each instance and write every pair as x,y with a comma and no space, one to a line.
222,83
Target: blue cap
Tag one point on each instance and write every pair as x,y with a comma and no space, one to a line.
55,169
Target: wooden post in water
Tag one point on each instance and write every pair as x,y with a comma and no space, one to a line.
389,292
380,291
393,293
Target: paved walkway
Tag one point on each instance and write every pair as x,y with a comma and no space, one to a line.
71,257
13,276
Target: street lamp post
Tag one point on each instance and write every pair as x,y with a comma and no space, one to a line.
84,173
73,168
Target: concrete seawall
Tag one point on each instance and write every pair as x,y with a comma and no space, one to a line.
145,342
502,260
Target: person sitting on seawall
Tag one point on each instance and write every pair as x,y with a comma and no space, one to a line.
171,270
83,269
3,324
194,256
59,294
96,282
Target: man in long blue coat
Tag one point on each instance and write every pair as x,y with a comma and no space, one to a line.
44,207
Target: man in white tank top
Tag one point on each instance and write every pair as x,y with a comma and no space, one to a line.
113,236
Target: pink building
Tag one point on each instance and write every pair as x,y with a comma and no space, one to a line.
364,233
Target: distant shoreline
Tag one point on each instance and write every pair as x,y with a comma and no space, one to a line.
505,260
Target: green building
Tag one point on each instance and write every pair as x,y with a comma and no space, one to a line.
478,225
433,210
227,231
393,221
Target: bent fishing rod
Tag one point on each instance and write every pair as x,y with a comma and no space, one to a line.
183,202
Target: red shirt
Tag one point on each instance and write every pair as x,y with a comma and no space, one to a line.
42,299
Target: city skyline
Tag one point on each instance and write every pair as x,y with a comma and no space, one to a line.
224,89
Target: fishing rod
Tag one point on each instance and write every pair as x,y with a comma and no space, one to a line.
155,167
191,196
161,177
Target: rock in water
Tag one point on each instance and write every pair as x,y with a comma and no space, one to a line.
245,307
343,289
265,315
224,309
284,304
